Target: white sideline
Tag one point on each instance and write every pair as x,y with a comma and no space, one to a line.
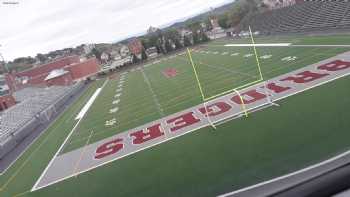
304,169
170,138
65,140
260,45
285,45
287,175
88,104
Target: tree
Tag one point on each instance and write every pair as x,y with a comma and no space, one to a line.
135,60
96,53
194,26
41,57
187,41
205,38
208,23
223,20
143,55
240,10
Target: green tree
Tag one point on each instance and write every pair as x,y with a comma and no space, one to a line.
143,55
223,20
96,53
41,57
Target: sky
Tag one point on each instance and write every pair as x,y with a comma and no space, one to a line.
28,27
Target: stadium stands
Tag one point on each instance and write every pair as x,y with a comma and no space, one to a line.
309,16
36,106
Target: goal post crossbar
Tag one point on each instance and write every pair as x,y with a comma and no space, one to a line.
236,89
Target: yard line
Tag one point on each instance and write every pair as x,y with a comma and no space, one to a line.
226,69
62,145
222,67
189,131
82,153
330,160
259,45
155,99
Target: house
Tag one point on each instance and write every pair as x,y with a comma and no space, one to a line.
152,52
185,33
275,4
124,51
105,57
217,31
136,47
88,48
230,32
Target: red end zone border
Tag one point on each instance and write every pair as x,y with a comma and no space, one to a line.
159,131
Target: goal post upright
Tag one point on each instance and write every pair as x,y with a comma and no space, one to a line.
200,88
270,101
244,108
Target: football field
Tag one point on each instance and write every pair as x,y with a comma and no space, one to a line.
305,129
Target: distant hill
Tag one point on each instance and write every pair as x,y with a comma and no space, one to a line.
204,16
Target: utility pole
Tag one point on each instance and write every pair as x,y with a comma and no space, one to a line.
3,60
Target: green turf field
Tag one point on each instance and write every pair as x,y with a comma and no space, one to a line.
269,143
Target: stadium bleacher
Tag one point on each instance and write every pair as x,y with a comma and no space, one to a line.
309,16
36,106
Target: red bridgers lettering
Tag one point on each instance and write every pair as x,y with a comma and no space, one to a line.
183,121
253,94
215,109
109,148
305,77
335,66
152,133
276,88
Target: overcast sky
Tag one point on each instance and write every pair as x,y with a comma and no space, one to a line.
39,26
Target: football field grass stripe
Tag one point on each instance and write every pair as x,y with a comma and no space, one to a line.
155,99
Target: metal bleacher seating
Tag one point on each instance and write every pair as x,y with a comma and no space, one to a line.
308,16
36,106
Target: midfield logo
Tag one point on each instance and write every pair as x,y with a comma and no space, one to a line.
170,72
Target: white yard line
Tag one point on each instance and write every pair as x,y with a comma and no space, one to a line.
205,125
222,67
83,152
260,45
155,99
64,142
287,175
304,169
